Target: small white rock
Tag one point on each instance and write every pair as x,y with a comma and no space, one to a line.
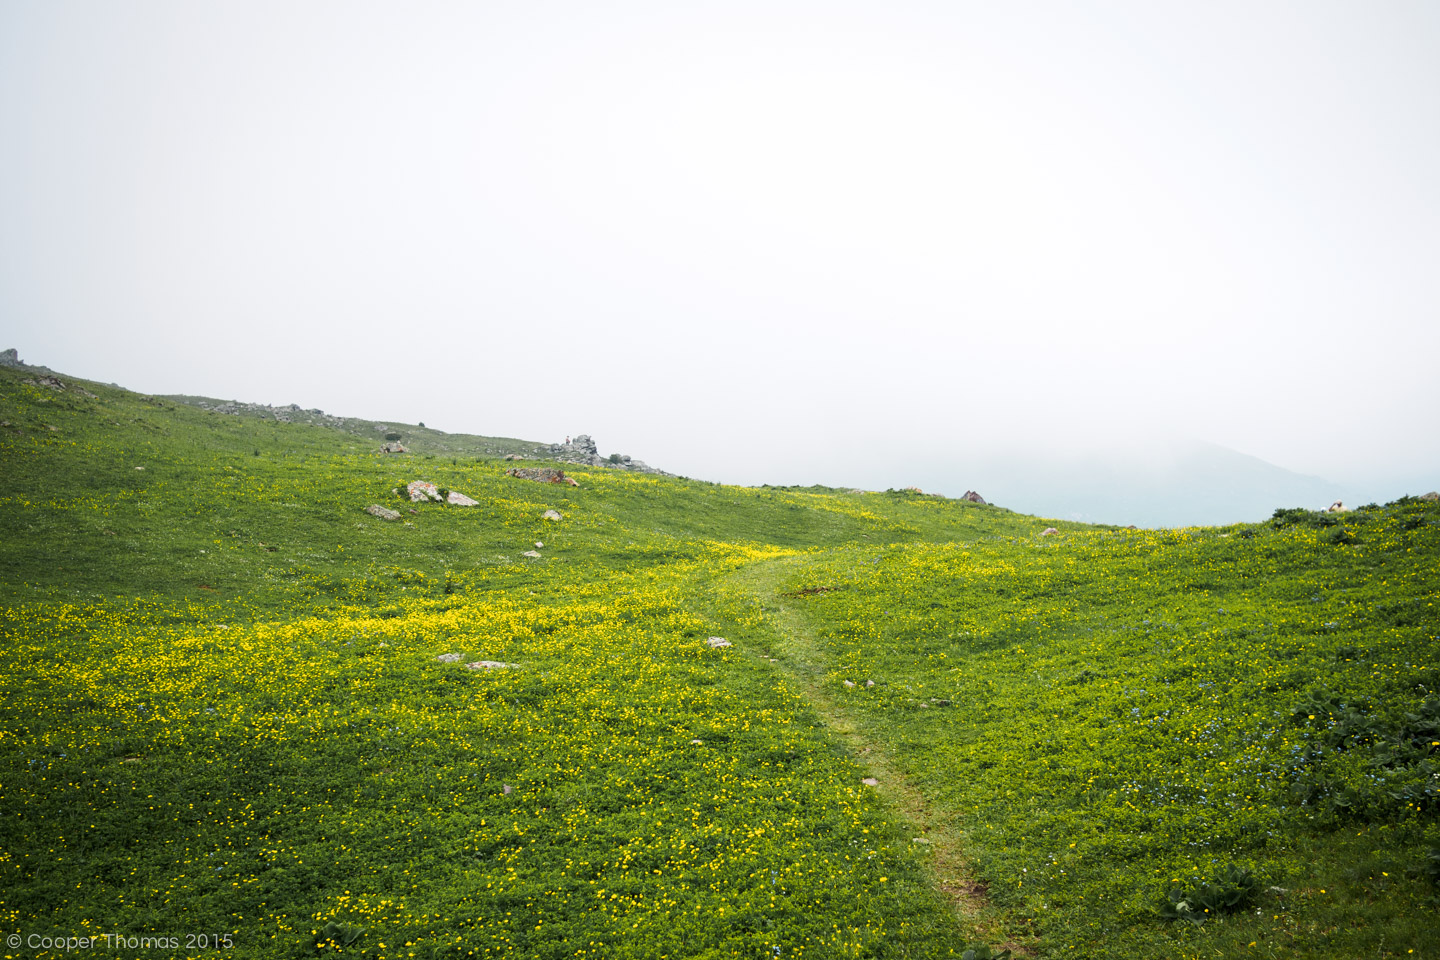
870,782
716,643
448,657
530,553
869,684
539,545
849,684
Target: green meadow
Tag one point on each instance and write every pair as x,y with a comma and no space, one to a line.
242,717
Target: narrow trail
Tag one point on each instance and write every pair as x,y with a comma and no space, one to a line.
798,654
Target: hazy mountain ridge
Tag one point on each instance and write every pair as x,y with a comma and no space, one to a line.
1183,485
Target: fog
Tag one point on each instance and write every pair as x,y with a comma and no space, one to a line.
854,244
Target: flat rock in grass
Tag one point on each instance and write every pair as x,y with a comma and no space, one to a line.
541,475
448,657
531,553
492,665
1048,531
421,491
870,782
551,515
460,500
384,513
715,643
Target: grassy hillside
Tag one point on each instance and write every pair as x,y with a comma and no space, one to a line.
236,705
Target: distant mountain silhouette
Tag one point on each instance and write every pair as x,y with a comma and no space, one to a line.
1162,485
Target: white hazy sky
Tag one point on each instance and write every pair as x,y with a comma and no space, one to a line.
754,242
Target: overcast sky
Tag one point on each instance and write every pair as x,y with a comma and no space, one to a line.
778,241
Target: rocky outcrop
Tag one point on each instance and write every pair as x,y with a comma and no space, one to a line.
394,447
973,497
290,413
10,358
582,451
1432,496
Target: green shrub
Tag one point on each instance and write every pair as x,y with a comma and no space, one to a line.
1200,900
982,951
335,936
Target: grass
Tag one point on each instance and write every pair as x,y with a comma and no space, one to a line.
223,711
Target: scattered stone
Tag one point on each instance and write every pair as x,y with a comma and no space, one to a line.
395,447
697,743
506,789
420,491
924,706
492,665
870,782
460,500
551,515
869,684
942,703
715,643
516,456
1048,531
139,468
539,545
920,840
448,657
973,497
530,553
375,510
849,684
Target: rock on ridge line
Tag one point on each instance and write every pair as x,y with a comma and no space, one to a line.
582,451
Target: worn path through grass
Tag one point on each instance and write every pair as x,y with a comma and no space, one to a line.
787,638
